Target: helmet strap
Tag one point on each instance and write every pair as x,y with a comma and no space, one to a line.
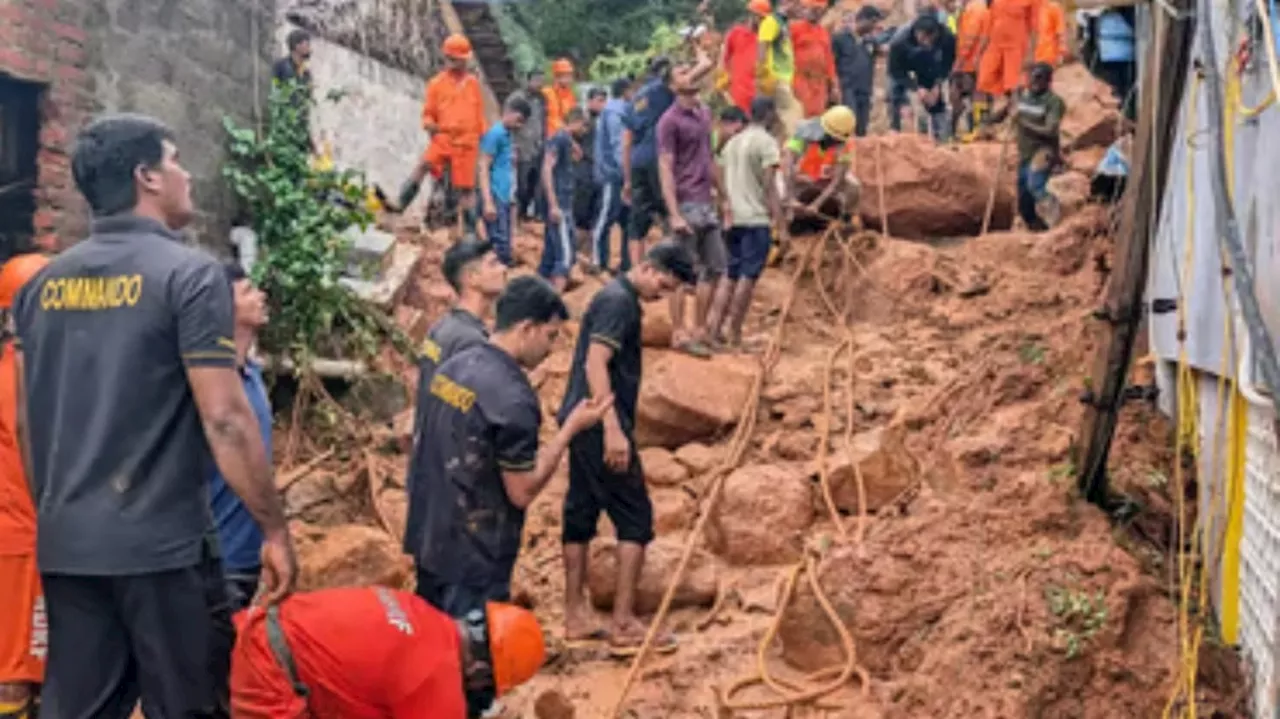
478,681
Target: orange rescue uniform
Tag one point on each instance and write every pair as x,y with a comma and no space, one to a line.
455,105
972,31
23,628
560,100
1050,32
740,50
815,66
1012,23
363,652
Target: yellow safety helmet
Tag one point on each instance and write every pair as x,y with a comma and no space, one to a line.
839,122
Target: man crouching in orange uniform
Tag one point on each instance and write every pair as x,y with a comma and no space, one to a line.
378,653
454,115
23,631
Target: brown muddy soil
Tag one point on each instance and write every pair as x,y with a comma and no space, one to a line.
974,584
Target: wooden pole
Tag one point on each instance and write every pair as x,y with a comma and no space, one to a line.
1144,191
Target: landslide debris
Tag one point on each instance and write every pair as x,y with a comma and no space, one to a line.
980,587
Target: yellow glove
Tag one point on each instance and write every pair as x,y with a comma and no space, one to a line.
722,80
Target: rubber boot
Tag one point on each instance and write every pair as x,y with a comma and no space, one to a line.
408,191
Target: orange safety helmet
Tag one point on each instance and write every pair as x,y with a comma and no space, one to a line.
457,47
562,67
17,272
759,7
516,646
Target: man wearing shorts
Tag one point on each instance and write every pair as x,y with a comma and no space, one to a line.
750,167
604,466
477,463
690,187
559,180
453,113
23,627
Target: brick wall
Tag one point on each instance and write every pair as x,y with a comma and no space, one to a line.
187,62
43,41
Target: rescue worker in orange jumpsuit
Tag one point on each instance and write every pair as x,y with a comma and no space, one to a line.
1011,46
453,113
738,57
23,638
1051,34
378,653
972,34
559,95
815,85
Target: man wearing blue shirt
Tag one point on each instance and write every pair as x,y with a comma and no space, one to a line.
238,534
497,176
607,172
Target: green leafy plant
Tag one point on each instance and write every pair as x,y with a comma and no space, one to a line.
299,212
1080,615
619,61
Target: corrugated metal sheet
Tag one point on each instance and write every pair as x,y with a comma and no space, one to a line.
1255,175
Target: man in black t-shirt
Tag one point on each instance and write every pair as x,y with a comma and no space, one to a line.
128,395
604,467
474,271
477,465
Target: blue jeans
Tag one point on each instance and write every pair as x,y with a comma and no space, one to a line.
939,119
611,212
558,251
1033,185
499,232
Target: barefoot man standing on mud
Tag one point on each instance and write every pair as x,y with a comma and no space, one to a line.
604,467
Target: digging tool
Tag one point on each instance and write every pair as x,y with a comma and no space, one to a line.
995,180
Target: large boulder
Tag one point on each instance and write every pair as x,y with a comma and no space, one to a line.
348,555
933,190
661,468
763,515
673,511
887,468
685,399
700,458
1093,113
697,588
1071,189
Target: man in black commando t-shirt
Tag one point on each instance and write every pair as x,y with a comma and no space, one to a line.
477,465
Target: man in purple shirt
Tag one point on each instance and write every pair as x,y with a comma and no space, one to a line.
690,188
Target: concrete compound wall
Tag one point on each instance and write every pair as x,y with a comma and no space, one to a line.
186,62
376,127
190,63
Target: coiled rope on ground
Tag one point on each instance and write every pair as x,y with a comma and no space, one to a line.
833,678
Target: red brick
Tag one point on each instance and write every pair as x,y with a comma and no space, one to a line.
44,220
53,135
47,242
71,54
15,63
70,32
71,73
